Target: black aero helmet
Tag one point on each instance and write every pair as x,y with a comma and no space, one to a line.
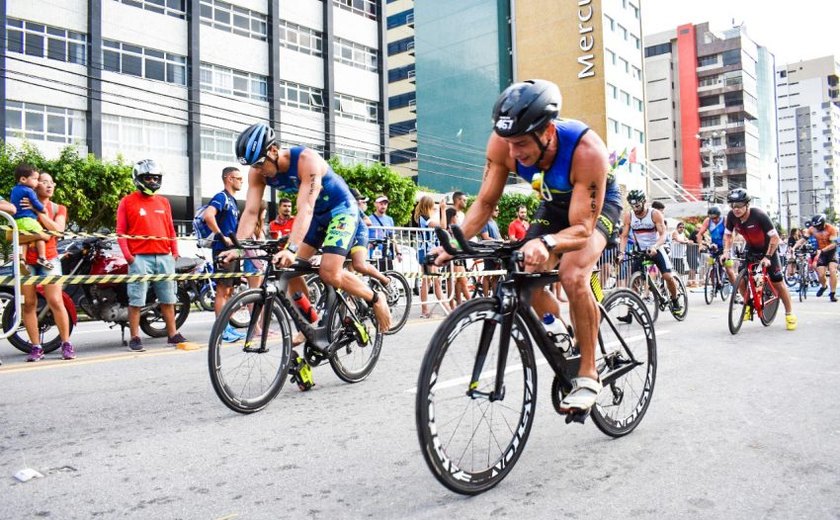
526,107
738,195
714,211
147,176
806,224
253,143
636,197
818,221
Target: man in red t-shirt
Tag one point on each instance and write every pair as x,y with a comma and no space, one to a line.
282,225
143,213
518,227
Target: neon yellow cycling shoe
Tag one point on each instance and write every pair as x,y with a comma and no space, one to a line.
747,313
790,322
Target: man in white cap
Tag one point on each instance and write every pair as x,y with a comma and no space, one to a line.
379,219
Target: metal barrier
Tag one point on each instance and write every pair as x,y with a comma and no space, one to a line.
16,270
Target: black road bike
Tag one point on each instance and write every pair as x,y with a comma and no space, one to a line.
651,287
717,281
247,374
477,388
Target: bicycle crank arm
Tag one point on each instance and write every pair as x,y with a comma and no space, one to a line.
613,375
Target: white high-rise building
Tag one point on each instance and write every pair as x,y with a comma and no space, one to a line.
809,138
177,81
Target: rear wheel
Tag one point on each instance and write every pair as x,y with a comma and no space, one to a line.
769,303
398,294
47,329
355,326
803,283
737,310
682,298
623,402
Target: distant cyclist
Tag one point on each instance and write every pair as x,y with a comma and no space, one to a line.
715,225
762,241
825,236
649,234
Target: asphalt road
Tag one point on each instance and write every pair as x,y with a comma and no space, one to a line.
737,428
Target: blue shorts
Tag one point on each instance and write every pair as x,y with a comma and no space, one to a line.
151,264
332,233
37,270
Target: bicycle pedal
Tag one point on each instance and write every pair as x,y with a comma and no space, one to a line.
578,416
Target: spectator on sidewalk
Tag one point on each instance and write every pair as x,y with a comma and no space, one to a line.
679,243
54,218
459,202
380,219
222,217
27,216
518,227
428,219
281,226
143,213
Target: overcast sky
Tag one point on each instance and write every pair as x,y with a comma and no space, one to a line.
792,31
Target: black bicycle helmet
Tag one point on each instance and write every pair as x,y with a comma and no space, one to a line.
818,221
636,197
738,195
147,176
252,144
714,211
526,107
806,224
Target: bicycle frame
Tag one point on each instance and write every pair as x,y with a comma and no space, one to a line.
754,294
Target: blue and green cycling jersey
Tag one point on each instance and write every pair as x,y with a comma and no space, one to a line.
335,196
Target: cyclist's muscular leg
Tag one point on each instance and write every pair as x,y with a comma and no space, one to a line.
575,270
360,265
332,273
672,285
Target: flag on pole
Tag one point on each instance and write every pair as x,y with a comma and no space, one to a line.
633,156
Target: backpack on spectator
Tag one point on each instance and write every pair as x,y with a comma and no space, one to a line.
200,228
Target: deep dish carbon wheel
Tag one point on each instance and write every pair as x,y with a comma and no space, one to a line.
355,326
639,285
398,294
770,304
622,404
247,373
470,444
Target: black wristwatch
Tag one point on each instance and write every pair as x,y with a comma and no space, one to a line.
549,242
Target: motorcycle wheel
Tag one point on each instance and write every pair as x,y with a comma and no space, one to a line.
206,298
50,340
151,321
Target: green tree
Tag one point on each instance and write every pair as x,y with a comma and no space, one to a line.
89,187
378,178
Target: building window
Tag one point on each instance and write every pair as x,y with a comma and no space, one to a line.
299,38
625,65
45,41
402,100
708,101
732,57
143,62
610,22
231,18
133,137
366,8
612,125
709,121
400,46
355,55
400,73
402,128
217,145
613,92
656,50
301,96
625,98
611,56
45,123
636,41
640,136
356,108
637,103
705,61
176,8
354,156
626,130
399,19
635,11
637,72
709,81
403,156
223,80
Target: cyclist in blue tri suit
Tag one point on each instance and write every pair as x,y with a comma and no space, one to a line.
716,226
327,212
568,165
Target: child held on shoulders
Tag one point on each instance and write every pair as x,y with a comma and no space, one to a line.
27,217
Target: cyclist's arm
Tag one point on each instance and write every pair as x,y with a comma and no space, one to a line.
496,170
589,185
311,169
253,200
832,244
774,242
661,230
625,231
702,231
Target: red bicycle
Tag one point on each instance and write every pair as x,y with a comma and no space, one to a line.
754,295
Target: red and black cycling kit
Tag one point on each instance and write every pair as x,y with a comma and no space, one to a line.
756,230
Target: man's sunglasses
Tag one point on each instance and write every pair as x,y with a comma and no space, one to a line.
738,205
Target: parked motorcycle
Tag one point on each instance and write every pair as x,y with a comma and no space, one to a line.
106,302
